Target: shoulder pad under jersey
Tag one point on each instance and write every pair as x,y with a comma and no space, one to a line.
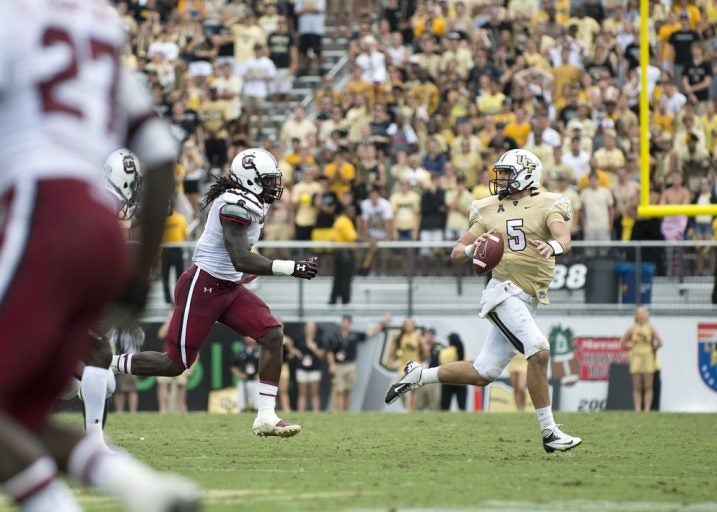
241,207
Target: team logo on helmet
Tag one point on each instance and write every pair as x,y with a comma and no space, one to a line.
128,164
247,162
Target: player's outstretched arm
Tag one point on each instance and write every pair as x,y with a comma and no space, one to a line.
464,247
237,244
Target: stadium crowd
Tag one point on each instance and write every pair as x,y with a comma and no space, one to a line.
435,92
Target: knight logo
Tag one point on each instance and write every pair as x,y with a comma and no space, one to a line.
707,353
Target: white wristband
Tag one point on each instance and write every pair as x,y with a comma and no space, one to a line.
282,267
469,250
557,248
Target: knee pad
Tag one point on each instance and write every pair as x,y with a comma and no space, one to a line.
487,372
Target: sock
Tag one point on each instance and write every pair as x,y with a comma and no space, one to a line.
267,398
545,417
116,473
94,393
122,363
429,376
36,489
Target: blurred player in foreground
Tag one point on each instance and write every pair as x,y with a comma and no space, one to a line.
212,290
65,104
533,224
94,381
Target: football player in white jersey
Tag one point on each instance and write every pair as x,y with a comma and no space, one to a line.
65,104
534,231
212,290
95,382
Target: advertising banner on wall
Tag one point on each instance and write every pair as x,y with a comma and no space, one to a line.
583,348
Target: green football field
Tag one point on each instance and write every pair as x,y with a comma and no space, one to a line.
429,461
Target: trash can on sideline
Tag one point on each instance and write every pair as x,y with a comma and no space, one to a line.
627,278
600,281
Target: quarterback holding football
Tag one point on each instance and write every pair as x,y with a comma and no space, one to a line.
532,225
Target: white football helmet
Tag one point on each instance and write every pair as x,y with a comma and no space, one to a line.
525,168
123,180
257,171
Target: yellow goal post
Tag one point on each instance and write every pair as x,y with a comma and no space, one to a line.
645,209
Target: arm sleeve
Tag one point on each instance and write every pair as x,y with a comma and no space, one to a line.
561,210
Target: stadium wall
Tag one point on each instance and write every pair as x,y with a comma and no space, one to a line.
584,347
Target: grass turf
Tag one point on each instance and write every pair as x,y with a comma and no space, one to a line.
429,461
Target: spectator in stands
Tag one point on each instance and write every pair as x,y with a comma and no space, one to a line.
326,205
343,230
576,159
269,18
701,228
376,224
609,158
340,172
625,191
247,37
433,225
297,127
467,163
402,136
214,115
229,87
434,161
681,41
458,203
308,373
302,195
372,63
643,341
176,230
284,54
674,226
597,213
694,161
311,20
258,73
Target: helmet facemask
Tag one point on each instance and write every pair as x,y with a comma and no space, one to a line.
511,184
272,186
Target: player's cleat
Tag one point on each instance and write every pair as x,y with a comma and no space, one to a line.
555,439
275,427
411,380
165,493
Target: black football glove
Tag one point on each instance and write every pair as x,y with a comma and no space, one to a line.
306,269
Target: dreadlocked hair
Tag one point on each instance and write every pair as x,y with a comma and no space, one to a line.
223,183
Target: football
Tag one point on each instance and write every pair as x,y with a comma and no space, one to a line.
488,253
